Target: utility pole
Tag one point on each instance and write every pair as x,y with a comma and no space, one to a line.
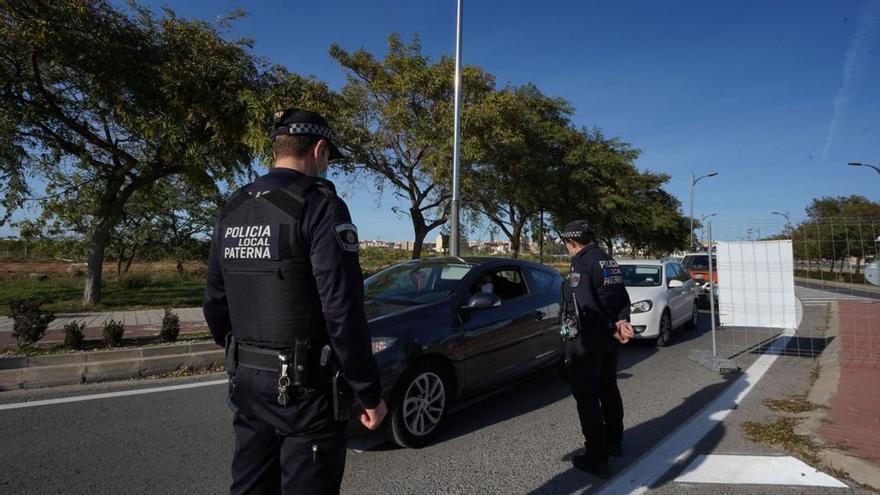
456,144
694,183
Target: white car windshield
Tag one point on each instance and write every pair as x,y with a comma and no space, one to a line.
641,275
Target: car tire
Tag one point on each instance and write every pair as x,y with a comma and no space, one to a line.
419,406
695,316
665,337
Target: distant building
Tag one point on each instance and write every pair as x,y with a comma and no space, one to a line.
441,246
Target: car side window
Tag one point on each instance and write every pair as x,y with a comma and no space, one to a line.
682,273
671,273
541,281
508,283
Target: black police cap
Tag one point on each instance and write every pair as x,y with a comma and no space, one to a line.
295,121
578,230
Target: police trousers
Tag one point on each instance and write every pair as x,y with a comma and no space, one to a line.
293,449
593,379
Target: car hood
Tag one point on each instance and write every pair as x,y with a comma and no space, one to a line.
637,294
380,309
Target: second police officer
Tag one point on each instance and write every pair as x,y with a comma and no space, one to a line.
595,294
284,295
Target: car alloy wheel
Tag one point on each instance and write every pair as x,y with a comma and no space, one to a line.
665,330
424,404
419,406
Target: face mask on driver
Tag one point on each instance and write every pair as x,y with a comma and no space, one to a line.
487,288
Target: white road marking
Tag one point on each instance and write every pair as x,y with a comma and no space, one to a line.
755,470
108,395
679,445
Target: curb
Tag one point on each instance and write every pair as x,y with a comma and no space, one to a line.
97,366
821,394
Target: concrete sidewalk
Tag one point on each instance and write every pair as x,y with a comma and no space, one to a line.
138,323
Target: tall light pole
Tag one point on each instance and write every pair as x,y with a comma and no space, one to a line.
787,216
455,249
703,225
860,164
694,183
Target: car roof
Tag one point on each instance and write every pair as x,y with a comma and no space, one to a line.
644,262
477,261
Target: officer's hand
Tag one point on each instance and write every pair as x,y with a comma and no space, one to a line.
372,418
625,331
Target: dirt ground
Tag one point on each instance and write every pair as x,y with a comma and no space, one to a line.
21,266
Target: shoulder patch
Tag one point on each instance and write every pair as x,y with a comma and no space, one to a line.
347,236
574,279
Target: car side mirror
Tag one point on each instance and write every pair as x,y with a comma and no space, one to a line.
675,284
483,300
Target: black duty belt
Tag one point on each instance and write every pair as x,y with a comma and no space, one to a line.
260,359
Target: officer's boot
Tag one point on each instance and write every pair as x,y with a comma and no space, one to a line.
593,463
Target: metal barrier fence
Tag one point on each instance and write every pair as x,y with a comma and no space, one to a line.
795,289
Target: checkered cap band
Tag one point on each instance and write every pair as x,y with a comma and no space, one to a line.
316,129
575,234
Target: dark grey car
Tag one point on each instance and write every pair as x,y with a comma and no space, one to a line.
441,334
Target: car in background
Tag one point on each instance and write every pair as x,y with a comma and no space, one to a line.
697,266
663,297
449,328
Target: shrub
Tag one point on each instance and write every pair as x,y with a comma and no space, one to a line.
170,326
113,331
73,334
137,280
30,323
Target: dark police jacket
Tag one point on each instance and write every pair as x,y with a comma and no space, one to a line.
596,281
331,246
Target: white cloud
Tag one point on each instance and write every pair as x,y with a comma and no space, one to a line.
858,55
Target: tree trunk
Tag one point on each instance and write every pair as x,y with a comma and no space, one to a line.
515,240
609,244
130,258
420,231
92,291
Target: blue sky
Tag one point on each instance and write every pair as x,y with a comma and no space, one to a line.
775,96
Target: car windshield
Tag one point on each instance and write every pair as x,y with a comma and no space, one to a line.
640,275
698,262
414,284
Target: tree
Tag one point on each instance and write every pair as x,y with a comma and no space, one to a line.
837,228
396,122
100,103
518,149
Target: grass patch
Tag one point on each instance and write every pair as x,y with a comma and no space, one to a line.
793,405
780,433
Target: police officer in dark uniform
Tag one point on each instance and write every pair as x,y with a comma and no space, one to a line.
596,296
284,295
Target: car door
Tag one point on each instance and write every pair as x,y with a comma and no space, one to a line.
675,296
496,340
545,286
688,293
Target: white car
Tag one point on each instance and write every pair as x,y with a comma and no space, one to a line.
663,297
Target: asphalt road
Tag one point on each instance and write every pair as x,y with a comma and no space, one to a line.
518,441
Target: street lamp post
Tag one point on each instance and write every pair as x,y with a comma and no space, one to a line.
694,183
455,249
703,225
860,164
787,216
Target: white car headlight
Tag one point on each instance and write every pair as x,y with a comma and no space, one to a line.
641,307
382,343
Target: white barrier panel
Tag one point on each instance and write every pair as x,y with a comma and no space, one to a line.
756,284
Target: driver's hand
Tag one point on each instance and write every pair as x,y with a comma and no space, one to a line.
372,418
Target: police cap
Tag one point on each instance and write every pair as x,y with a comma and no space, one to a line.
295,122
578,230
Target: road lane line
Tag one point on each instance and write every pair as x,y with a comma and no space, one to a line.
678,446
108,395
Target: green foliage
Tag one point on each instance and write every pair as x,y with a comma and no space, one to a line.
113,331
170,326
376,259
396,124
73,334
152,98
29,321
136,280
837,228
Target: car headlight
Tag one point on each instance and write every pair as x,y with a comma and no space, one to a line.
382,343
641,307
